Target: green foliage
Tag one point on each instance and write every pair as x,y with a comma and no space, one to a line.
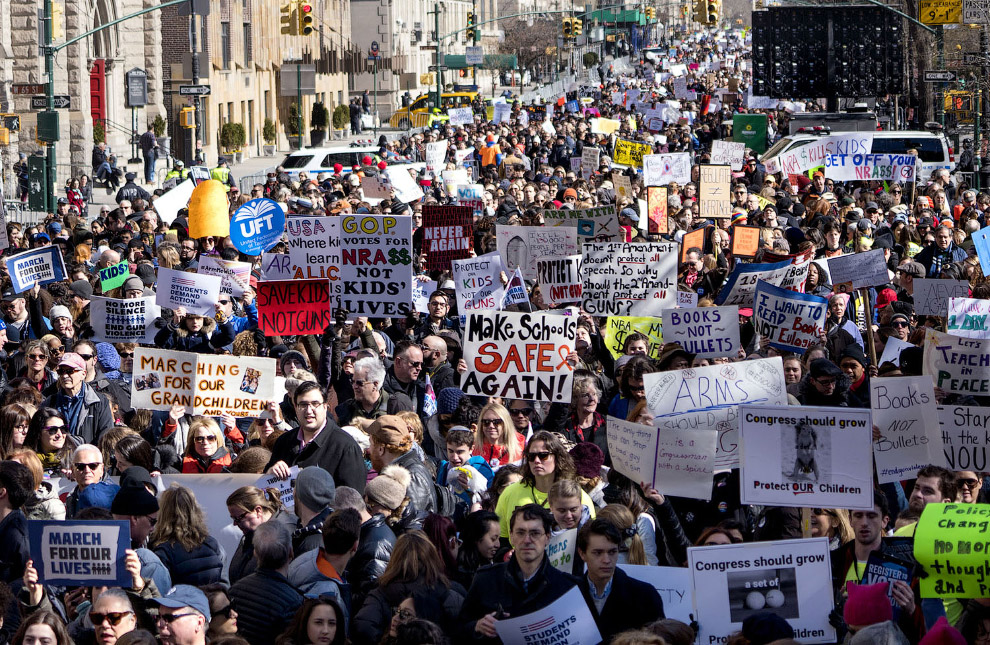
590,59
268,132
232,136
320,117
159,125
99,134
341,117
293,124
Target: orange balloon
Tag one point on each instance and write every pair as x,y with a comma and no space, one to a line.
209,210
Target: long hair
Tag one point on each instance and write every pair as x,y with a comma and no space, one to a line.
11,416
414,559
136,450
297,631
563,464
38,421
441,530
623,520
44,617
507,438
109,439
247,498
843,528
196,424
474,526
180,519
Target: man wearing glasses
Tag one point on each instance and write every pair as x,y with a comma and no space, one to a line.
183,616
86,410
403,376
825,384
187,254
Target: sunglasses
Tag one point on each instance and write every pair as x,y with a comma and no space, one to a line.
521,411
93,466
37,357
87,357
57,430
171,618
208,439
970,483
224,611
65,371
899,323
542,456
822,511
126,354
114,617
491,422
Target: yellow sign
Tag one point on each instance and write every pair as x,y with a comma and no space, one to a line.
618,327
631,153
952,542
940,12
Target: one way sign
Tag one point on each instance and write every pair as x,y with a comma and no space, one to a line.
939,76
62,102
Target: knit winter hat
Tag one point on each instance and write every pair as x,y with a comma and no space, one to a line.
315,488
942,633
448,399
134,500
109,360
388,489
588,459
866,604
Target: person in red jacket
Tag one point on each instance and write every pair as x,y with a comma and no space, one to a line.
205,450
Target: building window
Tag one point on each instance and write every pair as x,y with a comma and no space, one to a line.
225,44
247,44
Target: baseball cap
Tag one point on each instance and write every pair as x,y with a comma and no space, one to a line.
915,269
73,360
181,596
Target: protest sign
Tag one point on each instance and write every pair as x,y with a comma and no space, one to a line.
460,116
560,278
745,241
113,276
566,621
406,188
423,288
257,225
958,365
80,553
521,246
630,153
519,355
314,250
812,154
660,170
605,126
883,568
593,224
709,397
792,321
235,276
472,195
713,191
294,307
204,384
436,153
562,549
448,234
870,167
623,279
728,153
376,187
656,200
950,542
705,331
791,578
675,461
502,113
965,437
687,299
967,317
376,265
590,158
284,487
124,321
931,296
805,456
740,286
981,242
867,269
672,583
623,187
904,411
42,266
892,350
197,294
477,283
175,199
617,328
694,240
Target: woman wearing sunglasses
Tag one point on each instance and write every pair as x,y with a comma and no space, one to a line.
496,438
546,461
112,615
48,437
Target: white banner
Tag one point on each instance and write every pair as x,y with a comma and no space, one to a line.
812,154
675,461
870,167
124,321
904,411
197,293
477,283
460,116
728,153
436,152
660,170
672,583
522,246
596,224
622,279
560,278
931,296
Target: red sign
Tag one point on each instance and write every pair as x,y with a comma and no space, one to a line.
448,234
27,88
294,307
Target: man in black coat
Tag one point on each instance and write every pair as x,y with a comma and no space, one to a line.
318,442
16,485
524,584
618,602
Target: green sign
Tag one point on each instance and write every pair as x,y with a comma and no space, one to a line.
114,276
951,542
750,129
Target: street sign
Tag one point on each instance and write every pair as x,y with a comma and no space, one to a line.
62,102
939,76
940,12
474,56
976,12
433,68
27,88
194,90
136,81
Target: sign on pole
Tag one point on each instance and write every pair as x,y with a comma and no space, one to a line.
136,81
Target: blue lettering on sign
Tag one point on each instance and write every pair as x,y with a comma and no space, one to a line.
257,226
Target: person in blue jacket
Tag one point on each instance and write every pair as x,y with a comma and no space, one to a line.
460,442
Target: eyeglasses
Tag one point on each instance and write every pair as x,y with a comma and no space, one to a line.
521,411
206,439
899,323
542,456
491,422
224,302
126,354
969,483
114,617
56,430
87,357
403,614
826,383
171,618
37,357
65,371
355,384
93,466
587,396
21,428
413,364
237,520
822,511
305,405
223,611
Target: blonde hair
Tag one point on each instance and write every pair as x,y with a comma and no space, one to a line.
563,488
196,424
507,438
168,256
30,459
413,421
623,519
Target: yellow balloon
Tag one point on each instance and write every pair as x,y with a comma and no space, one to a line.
209,210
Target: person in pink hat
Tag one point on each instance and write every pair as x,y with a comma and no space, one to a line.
87,411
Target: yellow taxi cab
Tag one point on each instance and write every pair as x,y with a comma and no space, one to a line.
417,115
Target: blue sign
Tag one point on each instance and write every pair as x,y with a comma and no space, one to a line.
257,226
982,246
43,265
80,553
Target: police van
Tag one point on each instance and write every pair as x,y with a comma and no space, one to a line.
932,146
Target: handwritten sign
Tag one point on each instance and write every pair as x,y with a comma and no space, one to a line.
713,192
630,153
376,265
561,550
660,170
805,456
931,296
113,276
740,286
314,251
968,317
477,283
728,153
235,276
704,331
867,269
623,279
811,155
618,328
80,553
904,411
560,278
124,321
870,167
745,241
950,543
519,355
959,365
448,234
593,224
677,462
965,436
294,307
522,246
792,321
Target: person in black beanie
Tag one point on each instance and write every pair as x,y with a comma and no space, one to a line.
315,490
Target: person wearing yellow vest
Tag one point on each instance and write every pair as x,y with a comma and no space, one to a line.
222,174
178,171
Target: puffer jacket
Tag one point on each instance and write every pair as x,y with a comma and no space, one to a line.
44,504
207,340
201,566
372,556
310,537
305,575
243,563
265,602
420,490
372,620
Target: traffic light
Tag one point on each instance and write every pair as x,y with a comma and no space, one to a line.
288,19
470,27
58,21
576,27
713,9
306,18
700,14
187,117
568,28
651,14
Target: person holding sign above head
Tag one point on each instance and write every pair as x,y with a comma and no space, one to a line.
620,602
195,333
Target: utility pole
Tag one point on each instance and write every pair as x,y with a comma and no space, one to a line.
50,106
940,92
436,26
299,119
197,131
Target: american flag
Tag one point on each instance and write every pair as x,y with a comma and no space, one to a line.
185,281
546,622
430,400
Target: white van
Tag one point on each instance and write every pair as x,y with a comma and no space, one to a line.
932,147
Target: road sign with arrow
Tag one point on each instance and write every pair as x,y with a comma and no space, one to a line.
194,90
62,102
939,76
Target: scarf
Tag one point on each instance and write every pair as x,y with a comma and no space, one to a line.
71,407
